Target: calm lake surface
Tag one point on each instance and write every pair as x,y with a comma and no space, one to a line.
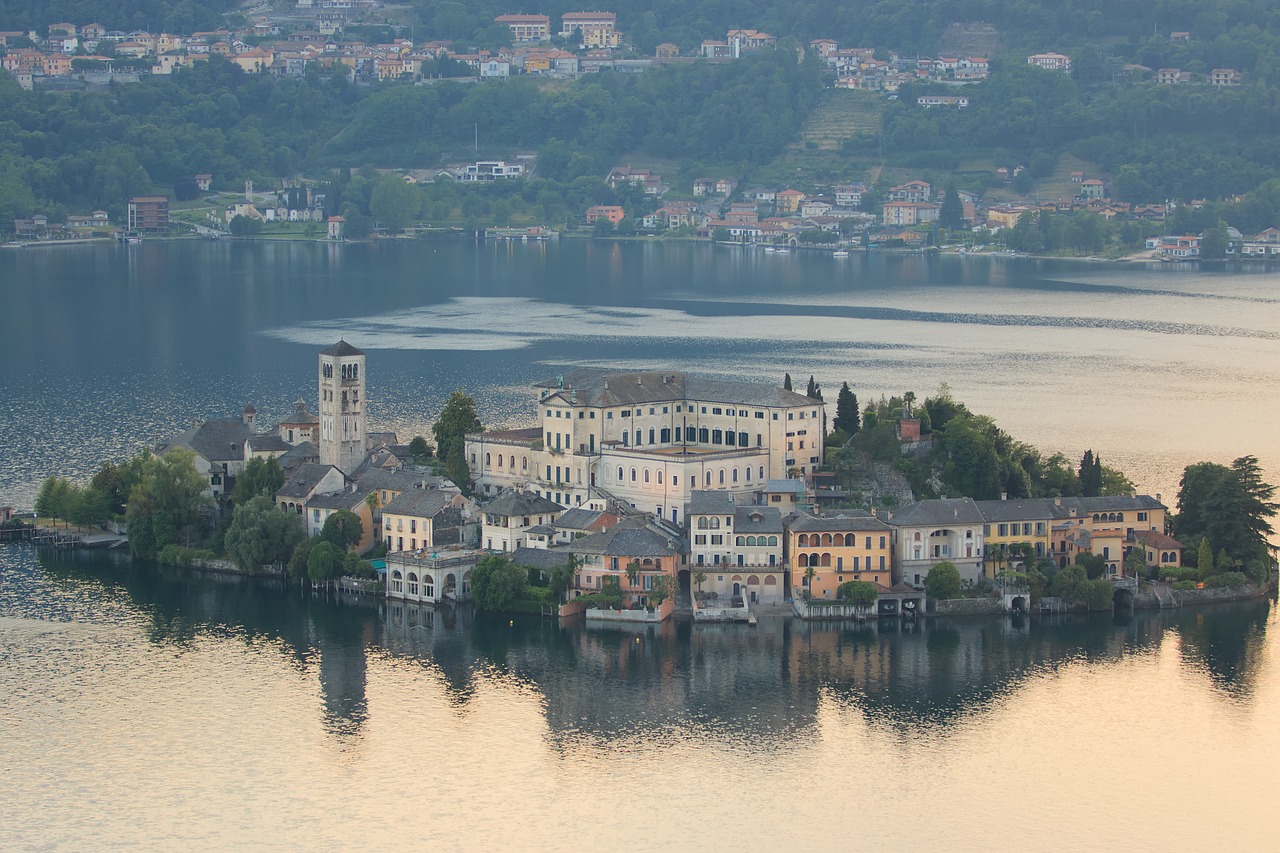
147,708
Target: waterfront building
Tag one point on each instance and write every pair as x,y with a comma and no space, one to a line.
309,480
219,446
343,440
148,214
650,439
317,509
423,519
1025,526
930,531
851,546
430,577
648,547
582,521
738,548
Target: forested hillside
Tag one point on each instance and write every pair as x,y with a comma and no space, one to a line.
175,16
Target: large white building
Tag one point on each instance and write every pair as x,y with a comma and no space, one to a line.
650,439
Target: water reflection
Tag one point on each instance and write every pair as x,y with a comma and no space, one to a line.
763,686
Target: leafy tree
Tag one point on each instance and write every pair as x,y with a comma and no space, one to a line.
260,534
457,418
943,580
420,449
496,582
169,504
185,188
1094,565
1232,506
324,562
858,592
1213,243
245,226
259,477
110,481
90,507
1204,558
343,529
394,203
699,578
1069,584
1135,565
297,567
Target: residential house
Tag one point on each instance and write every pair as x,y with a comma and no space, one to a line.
1225,77
956,101
598,29
490,170
851,546
418,520
1092,188
849,195
1015,526
527,28
703,187
667,50
148,214
908,213
745,41
310,479
788,201
97,219
1173,76
508,518
1160,550
1050,62
931,531
651,183
609,212
317,509
785,495
649,548
219,448
815,207
916,191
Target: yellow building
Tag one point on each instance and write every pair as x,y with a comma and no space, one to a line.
855,546
1013,530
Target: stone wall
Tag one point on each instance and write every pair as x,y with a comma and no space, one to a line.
965,606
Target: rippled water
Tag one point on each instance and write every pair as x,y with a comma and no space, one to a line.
110,348
143,708
148,708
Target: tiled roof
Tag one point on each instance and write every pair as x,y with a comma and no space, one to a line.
268,443
341,348
335,500
514,502
597,387
757,519
631,538
710,502
304,480
1016,510
937,511
419,503
217,440
539,558
853,519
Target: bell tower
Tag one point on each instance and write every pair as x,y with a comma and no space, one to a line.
342,423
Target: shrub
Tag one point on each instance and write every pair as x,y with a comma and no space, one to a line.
1183,586
1174,573
1226,580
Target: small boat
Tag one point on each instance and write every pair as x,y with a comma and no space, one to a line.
783,251
840,253
770,249
133,239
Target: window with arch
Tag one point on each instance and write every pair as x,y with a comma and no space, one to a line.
740,541
633,475
659,476
708,479
826,539
702,523
637,438
651,434
704,436
486,460
735,475
512,466
722,476
804,561
646,475
773,540
499,461
761,472
524,463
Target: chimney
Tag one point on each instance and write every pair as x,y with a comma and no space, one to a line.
606,385
1004,496
1057,501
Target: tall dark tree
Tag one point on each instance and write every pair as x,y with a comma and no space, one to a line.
814,391
848,419
786,382
457,418
1231,506
1090,475
951,215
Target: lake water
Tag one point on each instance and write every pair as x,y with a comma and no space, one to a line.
152,709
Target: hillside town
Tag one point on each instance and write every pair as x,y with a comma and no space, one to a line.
840,215
719,486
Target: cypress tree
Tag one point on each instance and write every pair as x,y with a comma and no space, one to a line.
847,417
786,382
1204,560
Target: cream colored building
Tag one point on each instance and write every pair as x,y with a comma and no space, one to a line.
650,439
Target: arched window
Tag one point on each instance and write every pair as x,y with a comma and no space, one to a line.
751,541
761,472
740,541
620,474
826,539
1119,516
659,476
850,540
917,536
722,476
702,523
735,475
651,433
773,540
804,561
637,438
413,584
826,560
704,436
513,463
499,461
802,540
708,479
486,460
748,473
715,522
814,560
633,475
524,463
646,475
